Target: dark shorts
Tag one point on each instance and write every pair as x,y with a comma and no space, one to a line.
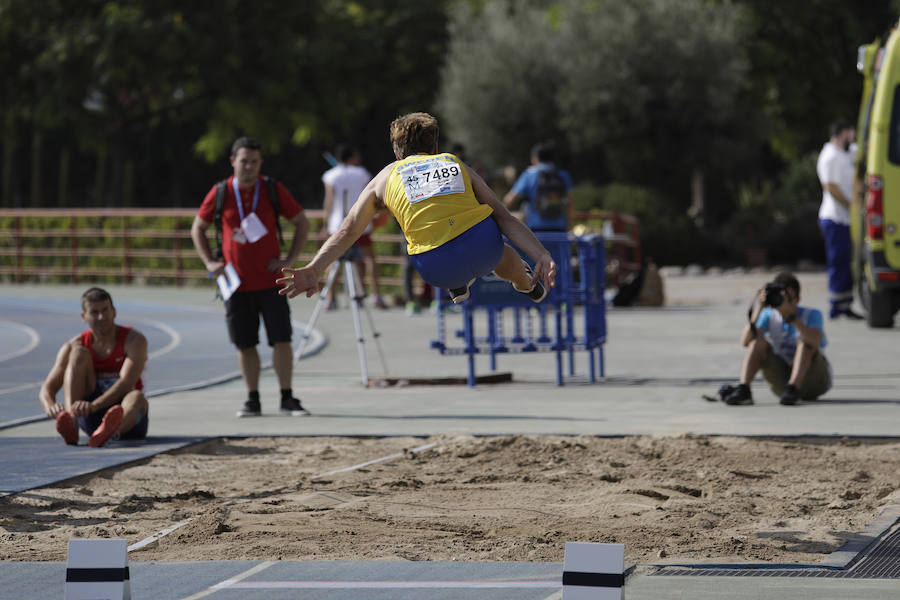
242,312
816,382
91,422
466,257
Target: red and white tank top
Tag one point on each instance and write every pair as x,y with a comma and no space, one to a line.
108,368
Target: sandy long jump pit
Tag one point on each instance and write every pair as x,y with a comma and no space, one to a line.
512,498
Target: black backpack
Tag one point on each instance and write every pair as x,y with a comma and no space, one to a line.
271,187
551,196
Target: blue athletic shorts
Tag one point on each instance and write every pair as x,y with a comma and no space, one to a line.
466,257
91,422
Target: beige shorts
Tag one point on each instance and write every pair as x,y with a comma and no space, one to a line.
816,382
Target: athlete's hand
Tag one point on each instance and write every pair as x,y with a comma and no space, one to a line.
296,281
545,270
80,408
215,268
53,410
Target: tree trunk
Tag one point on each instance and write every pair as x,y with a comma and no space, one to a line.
128,183
697,201
9,153
63,193
100,177
37,143
116,172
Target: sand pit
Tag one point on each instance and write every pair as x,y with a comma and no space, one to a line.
514,498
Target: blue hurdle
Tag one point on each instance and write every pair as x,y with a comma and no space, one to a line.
576,307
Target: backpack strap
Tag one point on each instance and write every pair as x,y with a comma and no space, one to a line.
272,188
217,217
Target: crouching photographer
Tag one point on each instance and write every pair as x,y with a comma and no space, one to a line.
785,341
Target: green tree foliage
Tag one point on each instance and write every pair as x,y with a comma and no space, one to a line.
500,81
660,93
137,101
655,87
650,90
144,89
803,65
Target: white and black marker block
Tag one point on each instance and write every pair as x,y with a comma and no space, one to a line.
594,571
98,570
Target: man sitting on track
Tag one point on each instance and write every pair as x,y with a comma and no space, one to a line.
100,374
444,210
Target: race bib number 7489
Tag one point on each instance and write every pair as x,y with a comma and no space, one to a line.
430,178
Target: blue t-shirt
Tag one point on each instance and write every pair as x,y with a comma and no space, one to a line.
526,185
783,336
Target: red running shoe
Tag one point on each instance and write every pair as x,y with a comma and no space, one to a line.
110,425
66,427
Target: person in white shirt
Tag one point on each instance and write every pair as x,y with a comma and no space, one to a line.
343,184
835,170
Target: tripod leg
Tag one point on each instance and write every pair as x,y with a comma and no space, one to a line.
355,301
323,297
375,334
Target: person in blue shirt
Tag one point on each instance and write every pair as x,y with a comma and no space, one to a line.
546,190
785,341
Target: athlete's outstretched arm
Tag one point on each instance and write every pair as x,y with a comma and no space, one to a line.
306,279
516,231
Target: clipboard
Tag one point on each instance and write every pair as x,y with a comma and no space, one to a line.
228,282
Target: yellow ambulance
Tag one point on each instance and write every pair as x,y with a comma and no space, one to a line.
875,215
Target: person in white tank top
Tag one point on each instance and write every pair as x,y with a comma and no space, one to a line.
343,184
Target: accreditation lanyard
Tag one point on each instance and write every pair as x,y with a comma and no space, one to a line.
237,197
251,227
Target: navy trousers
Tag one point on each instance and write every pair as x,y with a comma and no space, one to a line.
837,254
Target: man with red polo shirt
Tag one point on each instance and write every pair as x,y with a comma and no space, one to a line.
250,244
100,374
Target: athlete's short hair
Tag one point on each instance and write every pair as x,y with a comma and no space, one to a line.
415,133
95,294
245,142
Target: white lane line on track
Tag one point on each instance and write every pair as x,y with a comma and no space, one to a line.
174,336
312,346
554,596
234,580
232,375
168,530
33,340
384,585
23,421
19,388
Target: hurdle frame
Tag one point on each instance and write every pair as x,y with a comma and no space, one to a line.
579,292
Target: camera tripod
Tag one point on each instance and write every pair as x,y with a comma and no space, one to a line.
355,294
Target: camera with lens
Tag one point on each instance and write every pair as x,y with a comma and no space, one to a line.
774,294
